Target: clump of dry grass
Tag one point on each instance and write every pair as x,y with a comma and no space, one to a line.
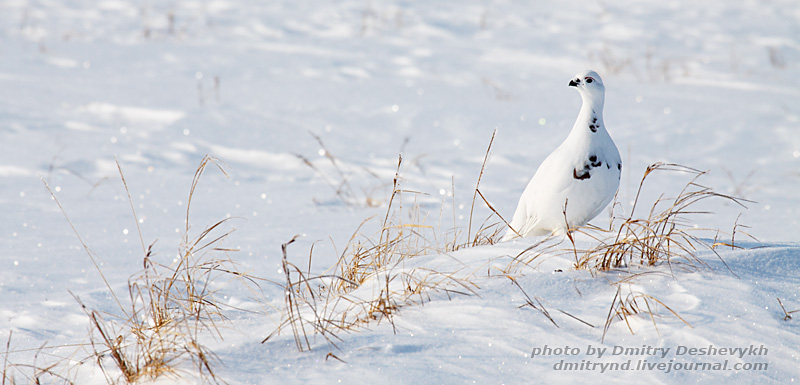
157,331
397,240
635,303
665,235
369,282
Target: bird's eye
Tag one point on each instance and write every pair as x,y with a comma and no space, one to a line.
589,80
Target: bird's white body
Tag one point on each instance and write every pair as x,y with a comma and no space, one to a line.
579,178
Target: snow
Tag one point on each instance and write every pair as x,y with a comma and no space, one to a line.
158,85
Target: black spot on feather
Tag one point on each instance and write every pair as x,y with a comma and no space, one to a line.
581,175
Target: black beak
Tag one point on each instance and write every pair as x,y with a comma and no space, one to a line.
572,83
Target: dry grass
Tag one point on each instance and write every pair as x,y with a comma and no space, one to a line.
157,331
787,315
33,373
635,303
339,179
532,256
538,306
488,233
369,282
664,236
327,305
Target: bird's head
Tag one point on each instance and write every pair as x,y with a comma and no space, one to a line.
589,84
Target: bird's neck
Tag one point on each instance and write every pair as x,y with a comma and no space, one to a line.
589,126
591,108
590,118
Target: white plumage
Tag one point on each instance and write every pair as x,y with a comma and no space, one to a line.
582,174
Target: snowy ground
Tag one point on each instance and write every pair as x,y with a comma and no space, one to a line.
158,85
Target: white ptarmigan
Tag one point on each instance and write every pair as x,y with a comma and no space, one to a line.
581,175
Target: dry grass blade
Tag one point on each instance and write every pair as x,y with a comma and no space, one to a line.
291,303
576,318
344,186
611,314
331,355
492,239
525,258
787,315
89,252
732,244
5,359
133,209
195,180
478,183
489,232
529,302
